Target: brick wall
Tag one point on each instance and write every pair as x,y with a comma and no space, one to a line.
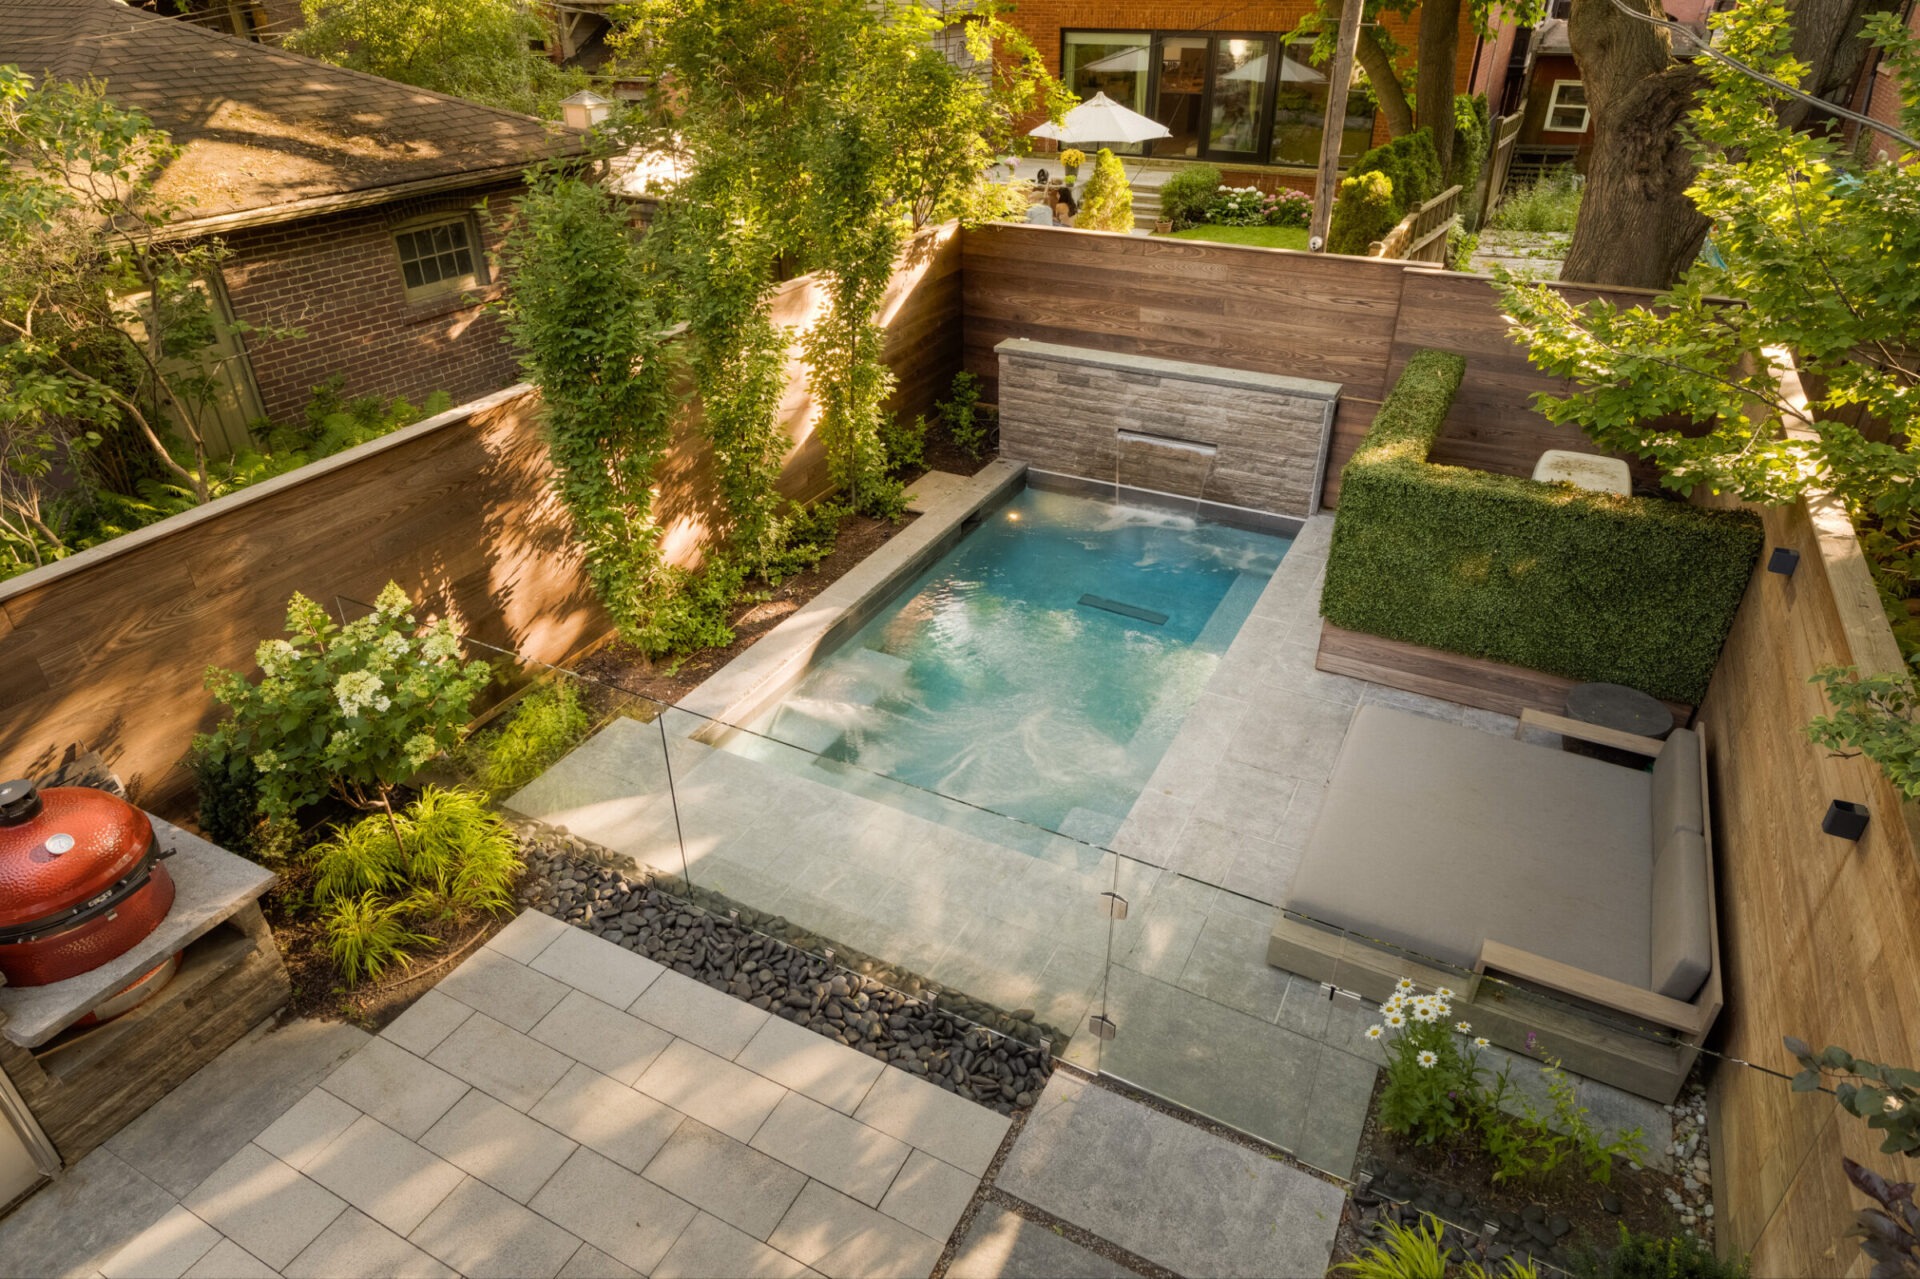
337,280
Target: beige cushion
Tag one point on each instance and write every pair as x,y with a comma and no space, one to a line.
1676,786
1435,837
1682,936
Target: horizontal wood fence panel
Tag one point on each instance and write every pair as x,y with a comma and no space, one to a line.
1821,937
105,651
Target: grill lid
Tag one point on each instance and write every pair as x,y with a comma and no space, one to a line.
62,847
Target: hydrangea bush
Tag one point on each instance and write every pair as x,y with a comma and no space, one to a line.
1250,206
354,709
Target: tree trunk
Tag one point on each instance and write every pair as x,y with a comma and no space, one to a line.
1439,45
1636,226
1384,79
1826,36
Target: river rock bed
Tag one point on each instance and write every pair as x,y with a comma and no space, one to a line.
997,1058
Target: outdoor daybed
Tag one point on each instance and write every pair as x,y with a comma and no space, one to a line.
1556,894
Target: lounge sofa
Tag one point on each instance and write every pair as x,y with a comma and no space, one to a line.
1567,900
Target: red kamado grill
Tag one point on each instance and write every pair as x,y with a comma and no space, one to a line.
80,881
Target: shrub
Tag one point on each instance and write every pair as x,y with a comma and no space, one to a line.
905,442
355,709
228,788
1460,252
1238,206
802,539
1472,134
1550,204
1108,203
1411,164
548,722
1590,586
1418,1252
1362,213
1184,196
1433,1074
1639,1256
1531,1146
960,414
1289,208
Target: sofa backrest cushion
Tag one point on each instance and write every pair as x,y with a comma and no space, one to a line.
1682,932
1677,803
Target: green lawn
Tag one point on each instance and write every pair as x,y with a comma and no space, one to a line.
1265,237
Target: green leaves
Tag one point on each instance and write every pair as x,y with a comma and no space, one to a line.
1887,1097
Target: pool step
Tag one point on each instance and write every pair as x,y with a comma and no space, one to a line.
798,726
1233,610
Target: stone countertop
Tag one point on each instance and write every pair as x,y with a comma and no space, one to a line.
211,885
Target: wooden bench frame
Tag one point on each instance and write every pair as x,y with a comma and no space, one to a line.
1604,1029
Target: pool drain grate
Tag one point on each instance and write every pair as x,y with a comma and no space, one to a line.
1146,615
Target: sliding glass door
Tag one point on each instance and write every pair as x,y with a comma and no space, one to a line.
1115,63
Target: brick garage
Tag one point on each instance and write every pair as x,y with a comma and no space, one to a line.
337,279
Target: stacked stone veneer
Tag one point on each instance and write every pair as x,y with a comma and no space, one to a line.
1253,440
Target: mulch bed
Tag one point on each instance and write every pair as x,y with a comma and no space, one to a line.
1456,1184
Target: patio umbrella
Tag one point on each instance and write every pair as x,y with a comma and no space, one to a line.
1101,119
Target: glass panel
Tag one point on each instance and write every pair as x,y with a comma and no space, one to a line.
1183,84
1240,70
1113,63
1568,114
1300,109
411,272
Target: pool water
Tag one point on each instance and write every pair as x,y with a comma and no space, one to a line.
1041,668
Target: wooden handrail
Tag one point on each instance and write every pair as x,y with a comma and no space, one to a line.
1412,237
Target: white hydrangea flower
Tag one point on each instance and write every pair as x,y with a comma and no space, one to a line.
1428,1057
394,644
267,762
440,646
355,691
383,703
420,749
275,657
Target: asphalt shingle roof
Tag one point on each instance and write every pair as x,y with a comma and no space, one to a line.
262,128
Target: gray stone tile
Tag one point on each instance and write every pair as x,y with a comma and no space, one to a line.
717,1174
1153,826
1291,733
845,1239
485,1235
498,1144
399,1089
997,961
625,1126
610,973
1207,849
1168,1191
929,1195
356,1244
423,1027
506,991
1290,666
1002,1245
1435,708
164,1250
198,1126
1302,812
941,1123
529,933
619,1212
710,1247
384,1175
713,1019
309,1128
500,1060
613,1042
1249,800
1229,966
797,1058
228,1260
590,1263
828,1146
82,1217
712,1089
264,1205
1336,1113
1158,935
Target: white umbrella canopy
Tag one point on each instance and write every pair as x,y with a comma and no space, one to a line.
1101,119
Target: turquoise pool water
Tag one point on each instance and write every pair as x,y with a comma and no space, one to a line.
1042,666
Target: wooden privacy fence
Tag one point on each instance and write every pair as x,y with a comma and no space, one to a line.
1422,235
105,650
1355,321
1493,176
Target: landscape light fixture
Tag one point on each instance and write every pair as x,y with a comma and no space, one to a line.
1783,561
1845,819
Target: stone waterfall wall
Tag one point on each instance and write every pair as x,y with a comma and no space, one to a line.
1220,436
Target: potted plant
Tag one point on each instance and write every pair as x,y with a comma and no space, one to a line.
1070,162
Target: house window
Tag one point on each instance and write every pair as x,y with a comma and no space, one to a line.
1567,108
440,257
1109,62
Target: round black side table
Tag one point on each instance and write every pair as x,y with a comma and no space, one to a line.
1615,706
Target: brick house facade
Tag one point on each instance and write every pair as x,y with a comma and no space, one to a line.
1177,34
356,211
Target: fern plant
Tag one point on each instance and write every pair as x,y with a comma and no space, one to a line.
548,722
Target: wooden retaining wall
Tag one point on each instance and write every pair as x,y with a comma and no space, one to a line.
1821,937
1355,321
105,650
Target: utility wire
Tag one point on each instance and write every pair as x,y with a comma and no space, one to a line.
1793,91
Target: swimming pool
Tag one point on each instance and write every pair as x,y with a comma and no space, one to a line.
1041,667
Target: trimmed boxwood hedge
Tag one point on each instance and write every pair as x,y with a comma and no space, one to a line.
1631,590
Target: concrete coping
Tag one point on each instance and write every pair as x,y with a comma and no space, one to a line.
1181,370
743,687
211,885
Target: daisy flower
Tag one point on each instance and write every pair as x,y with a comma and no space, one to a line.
1428,1057
1482,1042
1374,1032
1444,993
1426,1012
1394,1004
1462,1027
1396,1019
1404,985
